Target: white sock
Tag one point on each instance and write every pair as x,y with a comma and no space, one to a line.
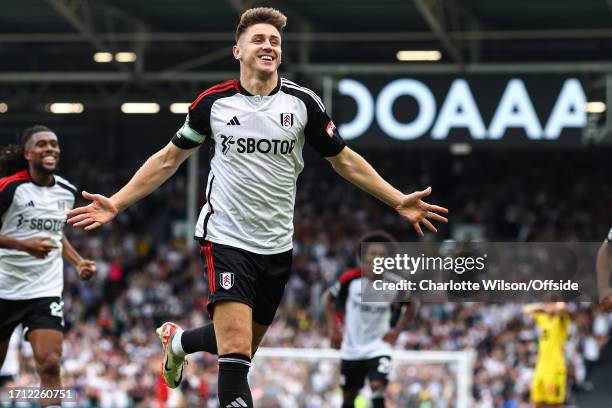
175,346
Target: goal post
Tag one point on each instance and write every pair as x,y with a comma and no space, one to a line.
459,364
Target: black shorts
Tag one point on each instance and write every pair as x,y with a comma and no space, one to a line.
39,313
354,372
242,276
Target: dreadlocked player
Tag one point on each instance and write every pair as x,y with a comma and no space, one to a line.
33,203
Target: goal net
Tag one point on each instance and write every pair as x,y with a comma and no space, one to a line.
289,377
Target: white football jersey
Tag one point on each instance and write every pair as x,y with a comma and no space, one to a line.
257,145
28,210
365,324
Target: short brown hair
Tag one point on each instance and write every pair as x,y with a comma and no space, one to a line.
266,15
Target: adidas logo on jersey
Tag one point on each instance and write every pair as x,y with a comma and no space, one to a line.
30,204
237,403
234,122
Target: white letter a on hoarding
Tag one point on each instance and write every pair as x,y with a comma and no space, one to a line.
568,111
515,110
459,110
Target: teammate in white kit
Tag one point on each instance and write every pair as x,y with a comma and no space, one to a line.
33,205
367,339
258,126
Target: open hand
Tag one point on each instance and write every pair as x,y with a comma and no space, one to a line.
101,211
417,211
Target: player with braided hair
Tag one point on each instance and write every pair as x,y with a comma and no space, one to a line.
33,205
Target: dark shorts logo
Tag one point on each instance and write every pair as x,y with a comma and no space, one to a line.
227,280
286,120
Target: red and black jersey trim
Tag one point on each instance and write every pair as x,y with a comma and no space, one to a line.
345,280
320,132
13,178
223,87
8,185
69,188
349,275
206,249
199,111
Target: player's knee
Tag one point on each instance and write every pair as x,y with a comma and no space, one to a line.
235,340
49,365
377,386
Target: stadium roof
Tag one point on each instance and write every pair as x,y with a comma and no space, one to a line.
182,46
191,35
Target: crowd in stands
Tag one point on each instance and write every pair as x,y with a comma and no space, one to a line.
148,275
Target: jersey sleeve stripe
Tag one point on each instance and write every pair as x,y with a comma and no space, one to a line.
206,93
349,275
293,85
220,85
72,189
310,93
225,86
21,176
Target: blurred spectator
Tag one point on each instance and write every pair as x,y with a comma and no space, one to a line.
146,276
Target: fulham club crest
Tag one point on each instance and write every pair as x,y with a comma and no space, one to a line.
227,280
286,120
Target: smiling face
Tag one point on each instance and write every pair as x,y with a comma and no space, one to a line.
372,250
259,50
42,152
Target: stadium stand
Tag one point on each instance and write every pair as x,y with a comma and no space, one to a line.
147,276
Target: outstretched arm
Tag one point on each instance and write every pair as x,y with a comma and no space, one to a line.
153,173
358,171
